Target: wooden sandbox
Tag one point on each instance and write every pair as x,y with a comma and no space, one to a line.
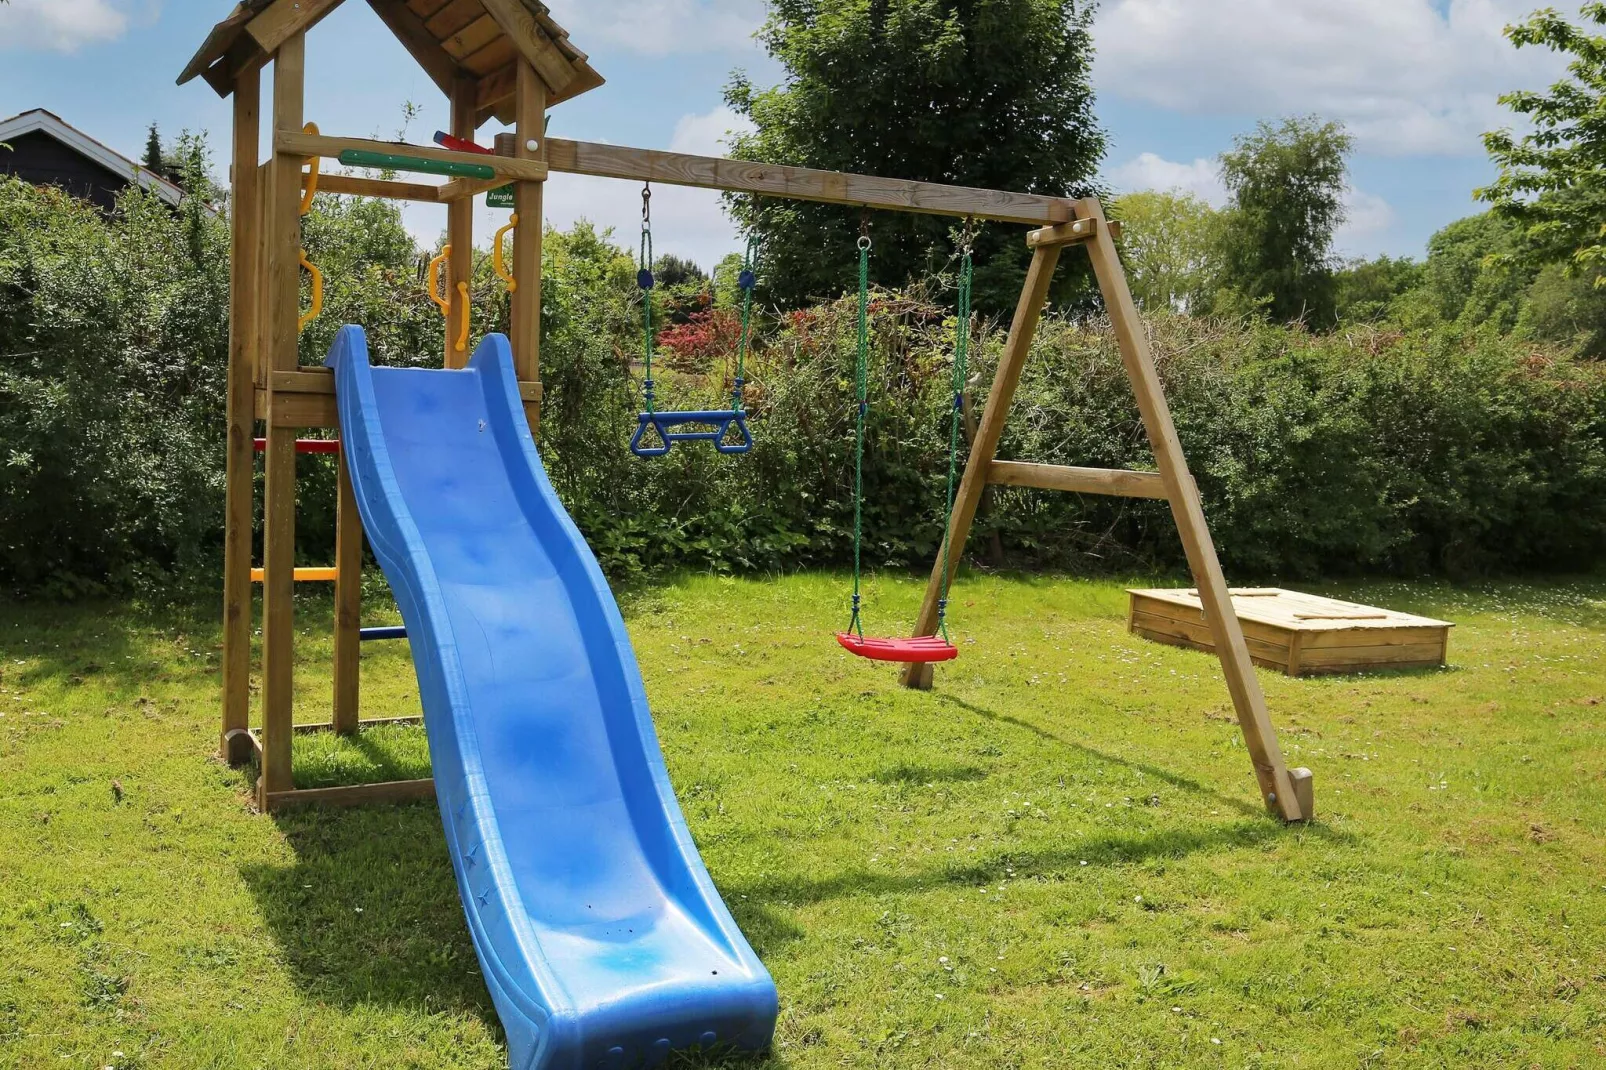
1299,634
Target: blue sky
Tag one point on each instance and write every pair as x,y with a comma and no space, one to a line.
1414,80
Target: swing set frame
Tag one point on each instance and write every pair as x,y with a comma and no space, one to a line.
509,59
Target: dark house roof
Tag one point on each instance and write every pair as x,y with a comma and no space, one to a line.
45,151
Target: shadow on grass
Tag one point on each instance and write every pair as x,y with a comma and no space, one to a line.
1176,780
368,912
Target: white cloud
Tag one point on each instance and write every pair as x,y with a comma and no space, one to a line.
1368,218
662,27
1202,178
59,25
687,222
1406,76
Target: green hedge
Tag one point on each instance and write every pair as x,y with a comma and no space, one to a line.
1372,449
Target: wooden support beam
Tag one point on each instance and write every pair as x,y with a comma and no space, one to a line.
284,19
460,188
527,236
294,143
348,603
494,90
1276,786
533,45
1039,276
239,482
392,791
803,183
1062,234
282,281
308,728
460,235
1111,481
356,185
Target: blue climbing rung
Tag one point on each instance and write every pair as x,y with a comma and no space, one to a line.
397,632
720,422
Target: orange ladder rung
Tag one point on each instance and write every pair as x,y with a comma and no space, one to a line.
304,575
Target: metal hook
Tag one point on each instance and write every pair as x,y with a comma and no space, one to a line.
646,203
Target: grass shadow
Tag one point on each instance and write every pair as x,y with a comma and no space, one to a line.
1176,780
369,912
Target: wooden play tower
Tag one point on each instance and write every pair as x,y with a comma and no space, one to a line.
508,60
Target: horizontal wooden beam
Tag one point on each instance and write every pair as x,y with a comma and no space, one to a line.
390,791
376,187
1111,481
803,183
459,188
1070,233
366,722
296,143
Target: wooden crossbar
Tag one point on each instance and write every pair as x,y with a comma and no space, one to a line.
804,183
1111,481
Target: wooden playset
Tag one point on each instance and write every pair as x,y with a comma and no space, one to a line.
509,60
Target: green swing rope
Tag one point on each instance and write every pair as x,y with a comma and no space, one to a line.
961,377
748,281
645,281
863,388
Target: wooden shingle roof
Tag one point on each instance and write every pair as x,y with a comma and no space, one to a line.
478,40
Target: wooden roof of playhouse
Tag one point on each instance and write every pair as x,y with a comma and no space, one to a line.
479,40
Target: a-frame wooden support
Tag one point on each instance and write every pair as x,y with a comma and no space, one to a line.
1287,792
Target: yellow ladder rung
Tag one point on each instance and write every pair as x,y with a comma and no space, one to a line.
304,575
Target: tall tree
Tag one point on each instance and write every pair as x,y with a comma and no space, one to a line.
991,93
1287,183
1168,244
1550,179
153,152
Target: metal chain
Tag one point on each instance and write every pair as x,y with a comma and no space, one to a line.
644,280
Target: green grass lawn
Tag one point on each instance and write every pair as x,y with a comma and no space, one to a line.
1055,859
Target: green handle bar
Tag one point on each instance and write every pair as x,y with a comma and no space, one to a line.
392,162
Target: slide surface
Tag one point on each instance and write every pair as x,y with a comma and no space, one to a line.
601,937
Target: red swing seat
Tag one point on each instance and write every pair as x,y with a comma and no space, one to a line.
920,650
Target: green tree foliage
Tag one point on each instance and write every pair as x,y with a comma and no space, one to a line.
1287,183
1550,179
153,160
991,93
1169,244
1365,290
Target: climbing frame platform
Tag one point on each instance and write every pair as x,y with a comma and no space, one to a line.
1299,634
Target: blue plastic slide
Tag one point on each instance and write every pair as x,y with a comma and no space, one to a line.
602,939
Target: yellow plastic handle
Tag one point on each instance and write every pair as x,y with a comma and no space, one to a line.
317,292
496,255
312,173
432,278
462,339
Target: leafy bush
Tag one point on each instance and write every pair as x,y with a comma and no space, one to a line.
1439,448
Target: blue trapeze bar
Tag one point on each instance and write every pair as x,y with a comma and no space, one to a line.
720,420
397,632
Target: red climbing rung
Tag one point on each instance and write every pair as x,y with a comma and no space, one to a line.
924,648
306,445
457,144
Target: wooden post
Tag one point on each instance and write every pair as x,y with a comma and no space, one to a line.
283,283
1276,786
460,233
239,486
1021,331
348,604
527,205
